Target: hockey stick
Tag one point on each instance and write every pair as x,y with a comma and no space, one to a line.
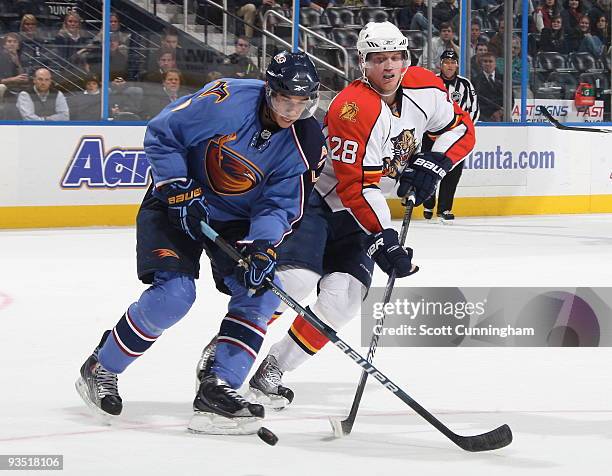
343,427
491,440
563,127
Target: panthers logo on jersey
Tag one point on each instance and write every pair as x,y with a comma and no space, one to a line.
404,145
229,173
348,112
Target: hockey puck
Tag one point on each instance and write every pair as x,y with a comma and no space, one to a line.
267,436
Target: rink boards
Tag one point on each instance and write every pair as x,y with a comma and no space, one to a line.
65,175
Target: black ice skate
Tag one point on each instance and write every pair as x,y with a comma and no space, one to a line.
267,385
206,361
446,217
221,410
98,387
427,213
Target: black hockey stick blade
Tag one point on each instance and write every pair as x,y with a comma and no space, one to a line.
492,440
558,125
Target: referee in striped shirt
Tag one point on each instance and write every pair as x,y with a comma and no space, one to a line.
461,91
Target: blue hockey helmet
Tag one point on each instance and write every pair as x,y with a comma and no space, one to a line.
292,74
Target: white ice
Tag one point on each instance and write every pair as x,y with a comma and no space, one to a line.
59,289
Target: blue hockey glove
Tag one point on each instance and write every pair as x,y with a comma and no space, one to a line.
423,172
261,257
384,248
187,206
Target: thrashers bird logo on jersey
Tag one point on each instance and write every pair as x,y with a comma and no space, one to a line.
348,112
165,253
404,145
229,173
219,89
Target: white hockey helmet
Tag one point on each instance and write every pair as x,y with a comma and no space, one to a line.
378,37
383,36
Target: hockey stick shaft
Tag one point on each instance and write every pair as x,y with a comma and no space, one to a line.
563,127
347,424
494,439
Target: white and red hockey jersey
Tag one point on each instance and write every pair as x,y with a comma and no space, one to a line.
366,141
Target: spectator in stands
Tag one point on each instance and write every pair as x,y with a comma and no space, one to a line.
414,16
247,9
475,63
12,74
86,106
571,14
241,65
118,58
439,44
123,37
71,39
32,43
601,8
545,12
170,40
496,45
93,51
125,101
28,27
165,61
553,39
490,90
581,39
169,91
445,11
602,31
43,102
475,33
516,66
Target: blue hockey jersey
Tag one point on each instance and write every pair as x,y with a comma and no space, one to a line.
215,137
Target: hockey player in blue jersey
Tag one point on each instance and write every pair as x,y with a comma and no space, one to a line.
243,156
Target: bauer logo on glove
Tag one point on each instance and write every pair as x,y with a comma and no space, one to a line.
431,166
187,207
183,197
423,173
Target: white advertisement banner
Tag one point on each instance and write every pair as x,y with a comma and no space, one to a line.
537,161
562,110
106,165
72,165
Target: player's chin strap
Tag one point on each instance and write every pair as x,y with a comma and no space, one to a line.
491,440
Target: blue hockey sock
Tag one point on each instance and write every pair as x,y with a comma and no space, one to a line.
242,332
159,307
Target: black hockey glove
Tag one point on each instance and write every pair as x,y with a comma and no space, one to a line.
187,206
261,257
383,247
423,172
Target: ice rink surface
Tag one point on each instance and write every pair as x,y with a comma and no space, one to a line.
59,289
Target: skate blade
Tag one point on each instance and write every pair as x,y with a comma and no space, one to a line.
273,402
446,222
205,423
97,412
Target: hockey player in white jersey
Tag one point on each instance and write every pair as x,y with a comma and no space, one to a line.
374,129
